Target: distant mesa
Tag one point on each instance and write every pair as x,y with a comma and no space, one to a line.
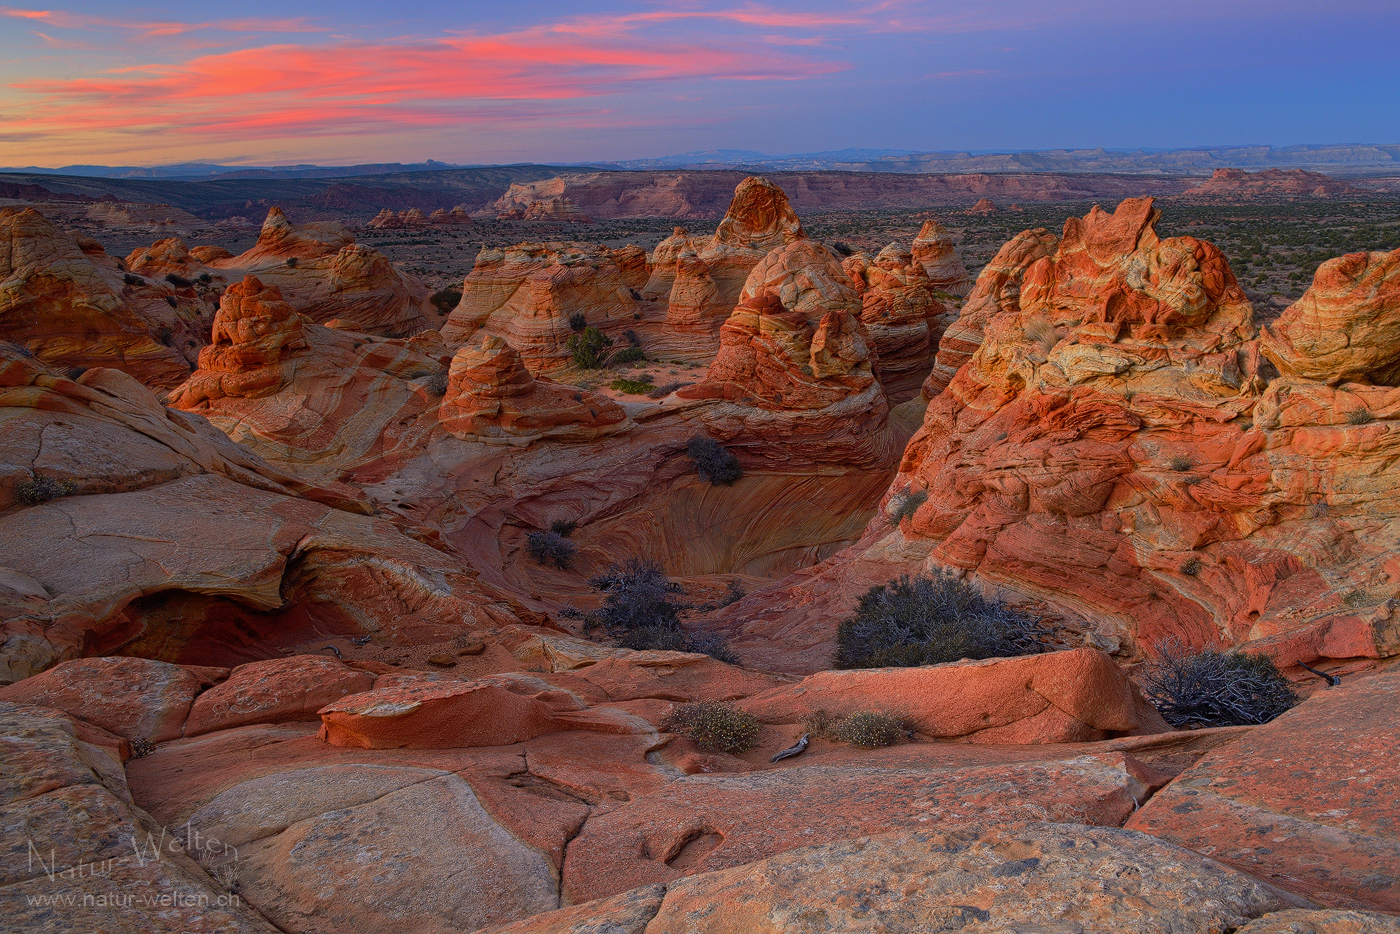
1287,184
414,217
561,209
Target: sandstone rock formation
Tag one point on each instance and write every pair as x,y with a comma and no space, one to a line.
528,294
252,331
795,368
1317,823
1111,450
414,217
998,289
1273,184
934,250
900,314
491,396
64,300
1346,327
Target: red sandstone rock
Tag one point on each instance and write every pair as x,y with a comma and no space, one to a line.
70,307
491,396
1057,697
254,328
527,294
274,691
135,698
978,879
1346,327
1242,185
1302,802
998,289
983,206
901,316
934,250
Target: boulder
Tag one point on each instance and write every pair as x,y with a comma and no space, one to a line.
491,396
1302,802
1057,697
274,691
136,698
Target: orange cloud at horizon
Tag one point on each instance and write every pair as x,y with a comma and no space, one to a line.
259,97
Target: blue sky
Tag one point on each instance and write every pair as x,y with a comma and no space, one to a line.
355,81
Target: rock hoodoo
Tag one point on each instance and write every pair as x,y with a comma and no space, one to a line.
934,250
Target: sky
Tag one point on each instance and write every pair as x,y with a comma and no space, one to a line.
354,81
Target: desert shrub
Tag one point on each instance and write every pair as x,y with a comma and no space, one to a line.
717,727
842,248
205,278
444,300
578,321
1360,417
292,262
628,355
142,747
929,620
550,548
1180,463
733,592
904,505
632,338
172,301
564,527
640,612
436,383
180,282
76,372
661,392
868,729
588,348
129,279
1211,688
42,489
1191,567
713,462
633,387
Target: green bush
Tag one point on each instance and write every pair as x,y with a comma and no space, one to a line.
904,505
628,355
42,489
1211,688
632,387
929,620
446,299
868,729
588,348
713,462
550,548
718,727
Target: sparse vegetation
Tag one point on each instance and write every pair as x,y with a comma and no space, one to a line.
550,548
577,321
714,463
717,727
1180,463
930,620
1191,567
640,612
172,301
1360,417
292,262
141,747
130,279
903,505
588,348
628,355
632,387
180,282
564,527
869,729
444,300
436,383
42,489
1210,688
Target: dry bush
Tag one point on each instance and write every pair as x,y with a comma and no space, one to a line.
1211,688
717,727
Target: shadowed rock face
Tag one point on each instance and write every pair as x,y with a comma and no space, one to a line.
65,301
900,314
1111,449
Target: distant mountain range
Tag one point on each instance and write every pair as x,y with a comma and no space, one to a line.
1359,159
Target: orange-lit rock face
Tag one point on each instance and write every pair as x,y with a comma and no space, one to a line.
1346,327
998,288
492,396
934,250
1111,450
759,217
324,275
794,364
254,328
900,314
528,293
65,301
